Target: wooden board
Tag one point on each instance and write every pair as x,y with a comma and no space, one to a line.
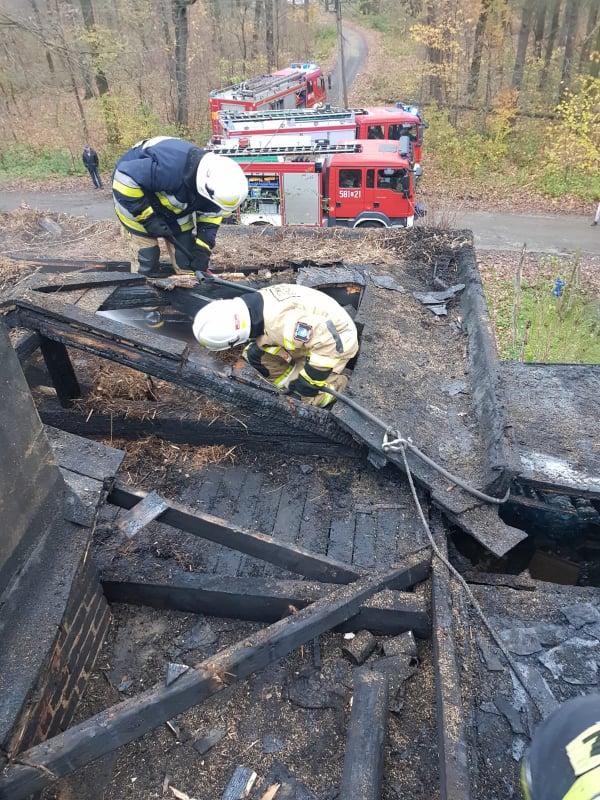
265,599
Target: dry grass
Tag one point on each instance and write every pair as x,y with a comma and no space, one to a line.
152,461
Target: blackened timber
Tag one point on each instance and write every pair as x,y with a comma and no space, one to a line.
452,734
362,774
86,280
168,360
84,456
130,719
60,370
387,613
250,432
62,264
294,559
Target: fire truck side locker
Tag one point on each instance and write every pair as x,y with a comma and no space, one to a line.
301,199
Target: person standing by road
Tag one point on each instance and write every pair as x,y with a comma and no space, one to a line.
90,162
597,216
168,188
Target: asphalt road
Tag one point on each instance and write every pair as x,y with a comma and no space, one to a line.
492,231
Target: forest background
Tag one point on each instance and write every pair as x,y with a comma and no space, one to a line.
510,88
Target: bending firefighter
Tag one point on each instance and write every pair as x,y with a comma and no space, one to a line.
169,188
563,761
302,339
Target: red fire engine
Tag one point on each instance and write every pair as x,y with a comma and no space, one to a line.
296,86
359,184
331,124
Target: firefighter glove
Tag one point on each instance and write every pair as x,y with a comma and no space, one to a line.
253,355
157,227
303,388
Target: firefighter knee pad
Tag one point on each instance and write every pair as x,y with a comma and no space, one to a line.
148,259
253,355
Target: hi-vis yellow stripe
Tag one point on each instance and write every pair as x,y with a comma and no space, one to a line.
147,212
128,191
130,223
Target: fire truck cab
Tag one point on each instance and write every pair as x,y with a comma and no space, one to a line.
354,185
295,87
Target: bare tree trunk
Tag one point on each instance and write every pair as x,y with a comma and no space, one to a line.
89,21
269,40
434,57
38,16
571,18
254,47
68,61
591,28
180,20
522,42
478,48
538,28
554,13
163,11
595,70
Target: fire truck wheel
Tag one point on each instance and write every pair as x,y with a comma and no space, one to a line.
370,224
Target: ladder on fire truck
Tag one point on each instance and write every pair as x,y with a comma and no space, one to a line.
315,148
262,86
284,115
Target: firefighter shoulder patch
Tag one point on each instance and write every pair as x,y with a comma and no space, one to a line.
303,332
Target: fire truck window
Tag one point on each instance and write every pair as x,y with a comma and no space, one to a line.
370,178
412,131
350,178
394,179
395,132
309,85
375,132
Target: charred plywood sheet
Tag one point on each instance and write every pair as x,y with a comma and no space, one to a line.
554,410
413,373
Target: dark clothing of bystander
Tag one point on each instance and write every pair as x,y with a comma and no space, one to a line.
90,162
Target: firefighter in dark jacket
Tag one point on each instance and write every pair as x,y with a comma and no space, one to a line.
563,761
169,188
302,338
90,162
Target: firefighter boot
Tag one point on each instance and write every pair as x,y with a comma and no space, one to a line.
149,264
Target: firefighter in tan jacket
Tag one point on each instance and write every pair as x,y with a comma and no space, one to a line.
301,338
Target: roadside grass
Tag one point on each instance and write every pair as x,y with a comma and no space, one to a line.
533,324
26,161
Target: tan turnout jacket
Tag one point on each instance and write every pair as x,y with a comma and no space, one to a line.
307,324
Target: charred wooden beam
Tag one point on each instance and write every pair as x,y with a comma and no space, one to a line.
264,599
452,734
167,359
249,431
130,719
61,371
362,774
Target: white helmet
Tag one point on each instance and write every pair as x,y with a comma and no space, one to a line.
222,324
222,181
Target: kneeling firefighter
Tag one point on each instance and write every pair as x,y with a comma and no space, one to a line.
169,188
302,338
563,761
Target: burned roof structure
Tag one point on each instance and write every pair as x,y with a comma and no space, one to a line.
435,443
